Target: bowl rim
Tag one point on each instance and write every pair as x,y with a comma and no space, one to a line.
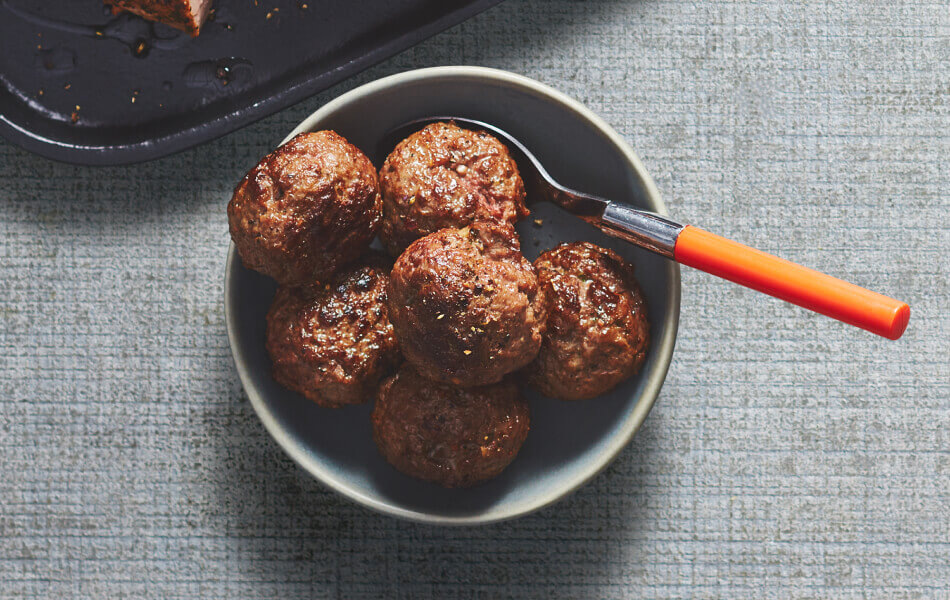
663,347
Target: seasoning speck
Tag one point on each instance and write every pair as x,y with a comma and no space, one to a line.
440,317
466,352
67,86
41,92
269,15
538,222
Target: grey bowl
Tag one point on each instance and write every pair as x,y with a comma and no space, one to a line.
569,443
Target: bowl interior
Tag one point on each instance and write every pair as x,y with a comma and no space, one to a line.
568,442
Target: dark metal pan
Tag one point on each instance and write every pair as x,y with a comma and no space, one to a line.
81,85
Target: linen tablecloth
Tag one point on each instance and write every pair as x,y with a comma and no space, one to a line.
787,456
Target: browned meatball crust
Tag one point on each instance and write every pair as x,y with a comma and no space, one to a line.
597,331
466,305
306,209
446,176
455,437
334,342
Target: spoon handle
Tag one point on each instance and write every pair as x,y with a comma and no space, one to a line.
793,283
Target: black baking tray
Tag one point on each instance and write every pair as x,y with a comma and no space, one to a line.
82,85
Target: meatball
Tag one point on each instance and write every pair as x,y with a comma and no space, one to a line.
446,176
306,209
334,343
466,305
455,437
597,331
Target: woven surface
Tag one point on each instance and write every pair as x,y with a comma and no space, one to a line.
788,455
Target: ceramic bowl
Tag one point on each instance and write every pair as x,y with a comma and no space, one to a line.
569,442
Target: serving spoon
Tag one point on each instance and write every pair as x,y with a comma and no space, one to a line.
692,246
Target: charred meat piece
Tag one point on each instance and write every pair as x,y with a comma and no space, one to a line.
334,343
187,15
455,437
466,305
446,176
306,209
597,331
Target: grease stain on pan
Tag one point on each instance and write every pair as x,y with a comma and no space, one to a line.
55,60
219,74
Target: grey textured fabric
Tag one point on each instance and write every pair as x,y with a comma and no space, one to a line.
788,455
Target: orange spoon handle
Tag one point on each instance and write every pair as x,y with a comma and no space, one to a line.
790,282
